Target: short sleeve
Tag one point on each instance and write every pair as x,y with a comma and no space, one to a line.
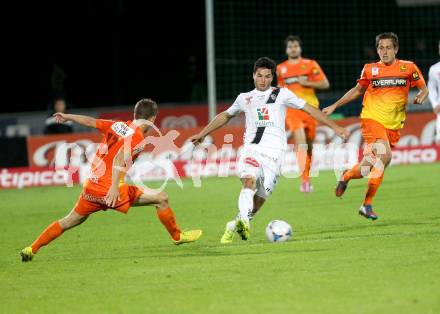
103,125
316,73
138,144
235,108
364,80
416,78
291,100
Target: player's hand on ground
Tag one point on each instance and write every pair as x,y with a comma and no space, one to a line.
60,117
196,139
418,100
112,197
342,133
329,110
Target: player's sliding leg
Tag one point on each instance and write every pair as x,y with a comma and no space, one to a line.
231,228
53,231
167,218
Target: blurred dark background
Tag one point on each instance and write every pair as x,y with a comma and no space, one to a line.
111,53
103,53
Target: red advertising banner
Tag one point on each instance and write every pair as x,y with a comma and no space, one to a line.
42,150
18,178
176,117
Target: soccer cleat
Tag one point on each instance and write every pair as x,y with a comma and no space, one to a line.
341,187
306,187
188,236
242,229
227,237
26,254
367,212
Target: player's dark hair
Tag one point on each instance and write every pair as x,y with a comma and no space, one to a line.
145,109
293,38
265,62
388,35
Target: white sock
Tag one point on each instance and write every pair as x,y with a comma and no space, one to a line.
246,203
231,225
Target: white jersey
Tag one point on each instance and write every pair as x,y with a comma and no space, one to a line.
265,118
434,84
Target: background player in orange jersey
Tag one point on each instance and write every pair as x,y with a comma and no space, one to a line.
386,85
122,142
302,76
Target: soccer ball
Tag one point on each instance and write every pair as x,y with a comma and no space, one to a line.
278,231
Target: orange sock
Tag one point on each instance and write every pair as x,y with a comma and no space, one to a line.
301,161
52,232
166,216
353,173
373,186
305,175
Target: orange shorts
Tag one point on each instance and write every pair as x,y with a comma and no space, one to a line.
92,200
373,130
299,119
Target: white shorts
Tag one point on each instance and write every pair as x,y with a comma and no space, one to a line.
264,165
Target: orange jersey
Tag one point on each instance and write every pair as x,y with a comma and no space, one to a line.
116,135
387,91
288,75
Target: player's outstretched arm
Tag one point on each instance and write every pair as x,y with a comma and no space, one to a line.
83,120
321,117
219,120
349,96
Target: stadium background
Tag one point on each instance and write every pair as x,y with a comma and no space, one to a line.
116,55
113,52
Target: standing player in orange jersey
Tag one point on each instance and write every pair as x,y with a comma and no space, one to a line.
386,85
122,142
302,76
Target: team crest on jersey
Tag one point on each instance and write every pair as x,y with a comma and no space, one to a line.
374,71
283,70
248,100
263,113
121,129
403,68
315,71
303,66
415,75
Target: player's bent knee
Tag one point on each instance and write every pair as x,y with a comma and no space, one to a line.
71,220
386,159
249,183
163,200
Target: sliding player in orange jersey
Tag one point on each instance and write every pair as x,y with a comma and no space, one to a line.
386,85
302,76
122,142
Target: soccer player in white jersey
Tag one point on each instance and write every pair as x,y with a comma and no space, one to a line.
434,93
265,141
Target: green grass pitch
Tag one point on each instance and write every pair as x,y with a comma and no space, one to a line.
337,261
